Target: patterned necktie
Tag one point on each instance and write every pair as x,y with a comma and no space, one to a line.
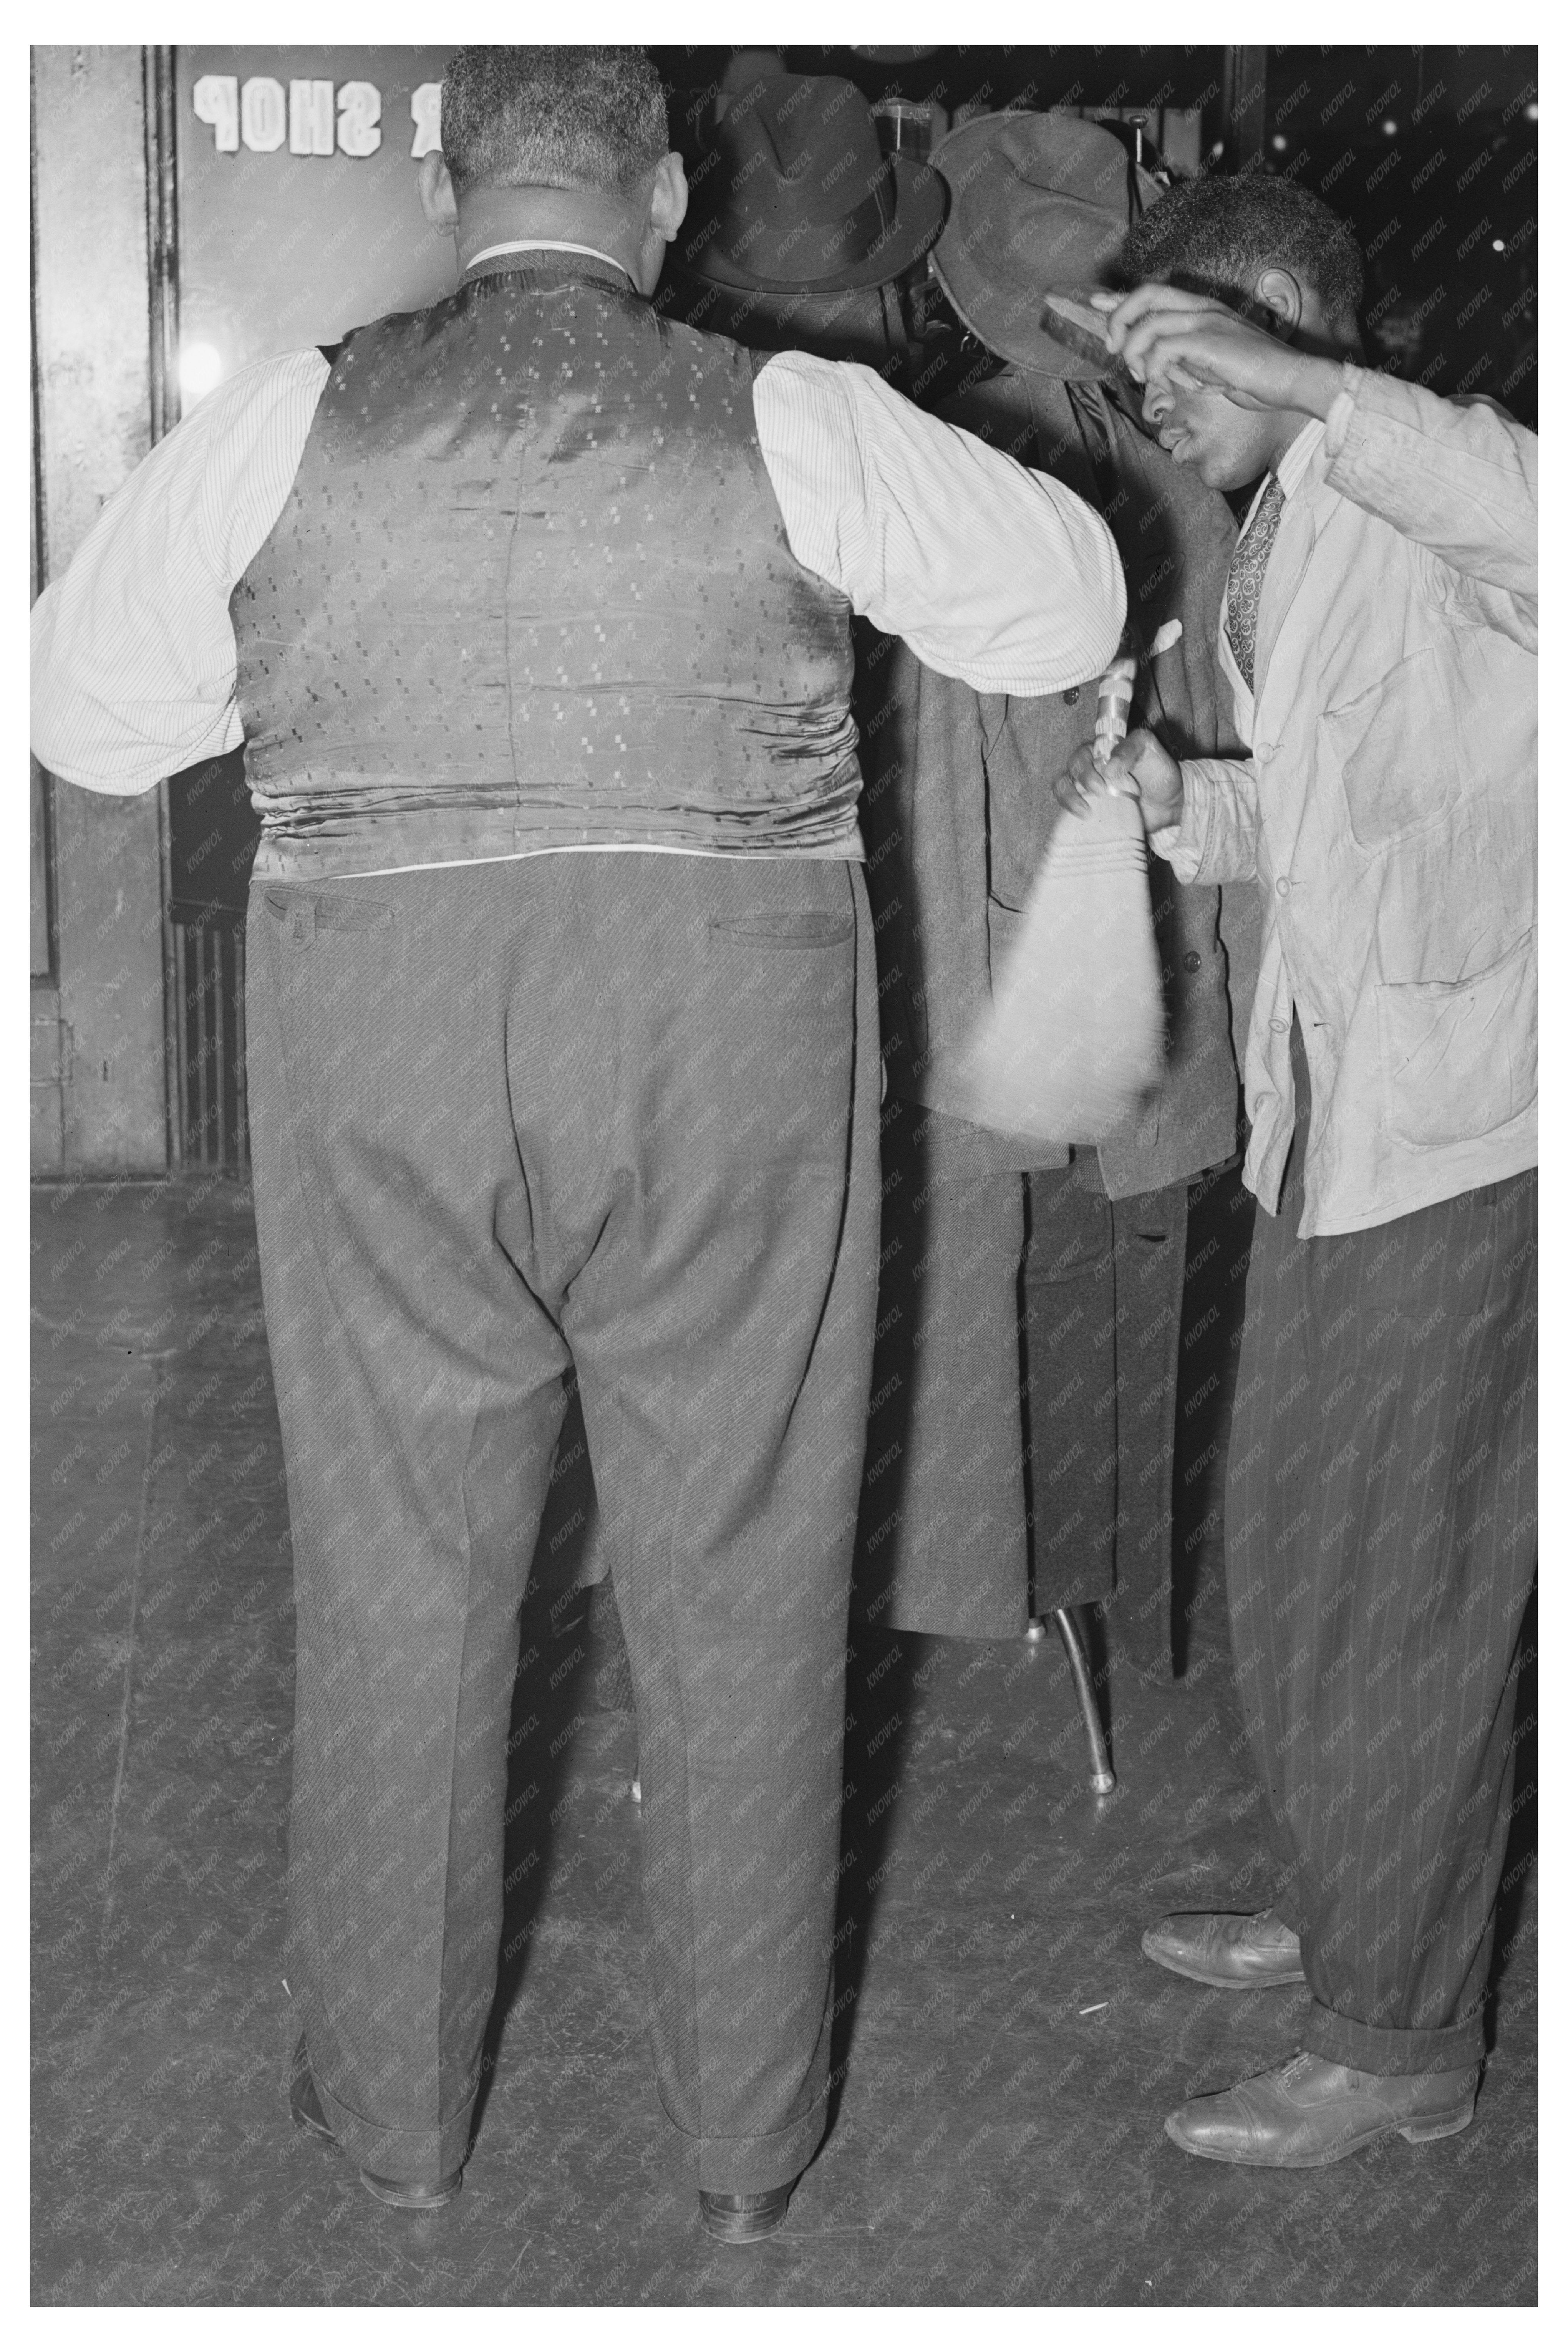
1247,566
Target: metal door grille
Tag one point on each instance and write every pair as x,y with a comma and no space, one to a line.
209,1056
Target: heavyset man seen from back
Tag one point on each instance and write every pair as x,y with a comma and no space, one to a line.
535,572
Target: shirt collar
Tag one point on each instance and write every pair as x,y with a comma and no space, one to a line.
544,245
1291,471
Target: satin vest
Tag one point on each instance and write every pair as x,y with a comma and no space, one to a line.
531,590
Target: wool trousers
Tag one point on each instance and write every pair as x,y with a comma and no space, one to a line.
615,1112
1381,1544
1023,1394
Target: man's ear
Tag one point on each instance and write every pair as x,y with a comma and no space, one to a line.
438,198
667,207
1279,292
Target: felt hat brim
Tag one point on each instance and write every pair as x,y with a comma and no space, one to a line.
1003,305
920,208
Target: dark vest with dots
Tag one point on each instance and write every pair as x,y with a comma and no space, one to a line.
531,590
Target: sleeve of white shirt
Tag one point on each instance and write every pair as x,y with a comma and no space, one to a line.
989,572
133,652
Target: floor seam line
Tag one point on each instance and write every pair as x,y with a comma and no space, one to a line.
130,1668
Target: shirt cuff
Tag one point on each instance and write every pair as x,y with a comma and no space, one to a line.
1182,845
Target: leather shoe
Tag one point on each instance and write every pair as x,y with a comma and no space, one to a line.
1310,2112
740,2220
417,2196
1234,1949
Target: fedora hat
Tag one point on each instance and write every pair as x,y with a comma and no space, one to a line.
794,194
1040,205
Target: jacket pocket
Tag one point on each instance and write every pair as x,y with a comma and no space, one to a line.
1458,1055
805,929
1394,748
1003,924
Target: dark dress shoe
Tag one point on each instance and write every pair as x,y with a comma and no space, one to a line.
416,2196
1310,2112
740,2220
1237,1950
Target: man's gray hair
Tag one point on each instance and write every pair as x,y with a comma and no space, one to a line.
580,117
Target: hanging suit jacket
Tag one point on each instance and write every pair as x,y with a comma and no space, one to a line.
958,806
957,813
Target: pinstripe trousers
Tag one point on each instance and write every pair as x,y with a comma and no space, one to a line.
615,1111
1381,1541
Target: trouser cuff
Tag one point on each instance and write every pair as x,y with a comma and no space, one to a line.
745,2166
1384,2050
429,2152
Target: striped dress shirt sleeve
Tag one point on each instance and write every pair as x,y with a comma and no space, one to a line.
133,652
992,573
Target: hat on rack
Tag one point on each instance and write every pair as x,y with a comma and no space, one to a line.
1039,205
794,194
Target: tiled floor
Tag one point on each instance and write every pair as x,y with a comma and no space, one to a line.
1005,2053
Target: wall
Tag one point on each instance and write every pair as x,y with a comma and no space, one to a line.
98,1086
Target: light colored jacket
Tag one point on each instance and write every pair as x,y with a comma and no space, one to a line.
1388,810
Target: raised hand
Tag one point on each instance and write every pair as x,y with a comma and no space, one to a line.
1139,769
1166,335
